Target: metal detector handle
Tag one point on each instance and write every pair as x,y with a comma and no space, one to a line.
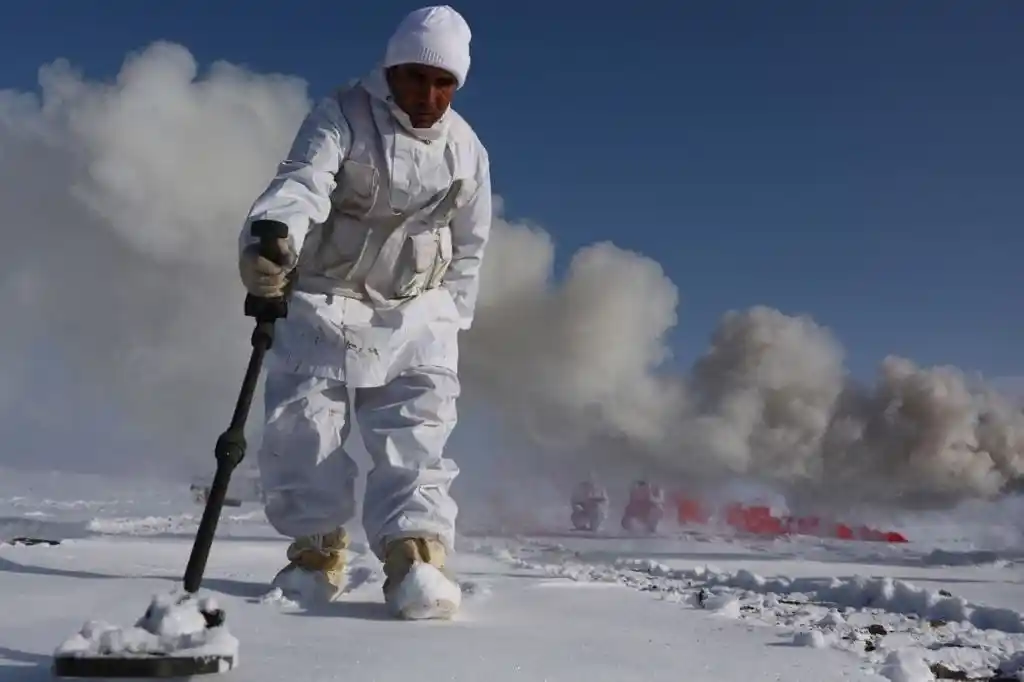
231,446
268,309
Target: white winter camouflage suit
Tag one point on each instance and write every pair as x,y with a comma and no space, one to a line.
392,223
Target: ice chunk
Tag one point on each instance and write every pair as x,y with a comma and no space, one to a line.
815,639
906,665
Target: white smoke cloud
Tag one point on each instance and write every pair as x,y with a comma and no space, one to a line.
922,436
124,339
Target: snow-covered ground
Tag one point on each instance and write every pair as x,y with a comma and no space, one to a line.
555,606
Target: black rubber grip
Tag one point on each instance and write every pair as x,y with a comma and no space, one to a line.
269,232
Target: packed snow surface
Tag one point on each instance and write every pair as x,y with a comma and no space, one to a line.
546,604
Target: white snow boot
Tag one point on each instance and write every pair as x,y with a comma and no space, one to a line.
316,568
417,584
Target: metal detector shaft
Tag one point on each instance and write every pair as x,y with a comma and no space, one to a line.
230,451
230,448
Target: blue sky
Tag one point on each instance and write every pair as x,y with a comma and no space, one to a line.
859,161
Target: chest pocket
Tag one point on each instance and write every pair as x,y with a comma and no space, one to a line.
358,186
367,248
427,253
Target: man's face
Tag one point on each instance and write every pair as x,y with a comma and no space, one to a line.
422,92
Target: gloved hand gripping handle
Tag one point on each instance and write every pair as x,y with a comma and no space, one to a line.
269,232
230,448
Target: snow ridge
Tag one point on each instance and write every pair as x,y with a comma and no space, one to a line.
906,632
888,594
901,627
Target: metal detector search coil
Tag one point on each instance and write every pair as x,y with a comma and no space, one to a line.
181,635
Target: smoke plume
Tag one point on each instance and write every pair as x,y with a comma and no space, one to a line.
124,339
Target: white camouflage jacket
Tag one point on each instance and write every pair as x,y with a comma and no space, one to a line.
378,210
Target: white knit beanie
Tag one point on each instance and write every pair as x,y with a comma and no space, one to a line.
436,36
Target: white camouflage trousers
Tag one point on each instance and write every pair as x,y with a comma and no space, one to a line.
309,478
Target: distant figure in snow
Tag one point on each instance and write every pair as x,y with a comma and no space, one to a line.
646,507
589,505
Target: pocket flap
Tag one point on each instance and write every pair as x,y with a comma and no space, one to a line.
357,188
466,192
424,251
359,179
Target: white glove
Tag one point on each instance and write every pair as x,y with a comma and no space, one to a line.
263,277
